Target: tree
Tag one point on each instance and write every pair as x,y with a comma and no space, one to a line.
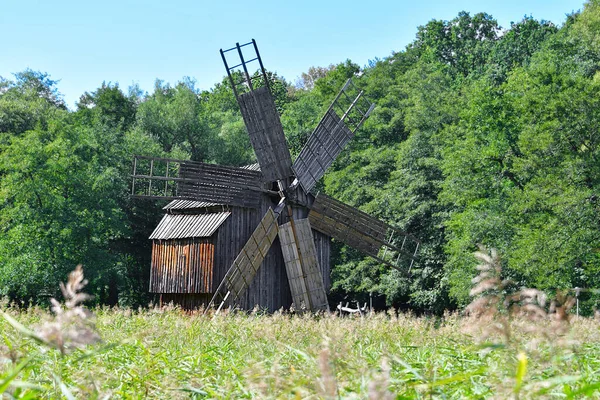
522,169
174,117
463,43
110,105
517,45
26,102
307,79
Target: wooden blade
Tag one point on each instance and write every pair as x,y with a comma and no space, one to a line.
363,232
155,177
258,109
324,145
266,133
333,133
302,267
245,266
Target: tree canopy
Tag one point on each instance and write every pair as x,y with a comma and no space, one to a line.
480,135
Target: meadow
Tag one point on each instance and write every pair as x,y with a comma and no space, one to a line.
168,353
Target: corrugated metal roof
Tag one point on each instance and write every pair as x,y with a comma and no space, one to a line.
189,226
252,167
188,204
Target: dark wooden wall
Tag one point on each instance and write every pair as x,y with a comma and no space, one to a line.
270,289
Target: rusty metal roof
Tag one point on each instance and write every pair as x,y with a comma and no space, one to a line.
189,226
188,204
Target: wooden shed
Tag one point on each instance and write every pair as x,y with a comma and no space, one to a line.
195,244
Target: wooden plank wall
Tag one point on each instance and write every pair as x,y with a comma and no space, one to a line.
323,249
182,266
269,289
246,265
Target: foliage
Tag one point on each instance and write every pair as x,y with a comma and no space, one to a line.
480,135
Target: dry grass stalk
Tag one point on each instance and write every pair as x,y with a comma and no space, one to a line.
379,386
73,325
328,383
496,310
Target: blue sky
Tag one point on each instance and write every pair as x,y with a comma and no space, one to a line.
83,43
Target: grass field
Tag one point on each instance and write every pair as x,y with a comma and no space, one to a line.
166,353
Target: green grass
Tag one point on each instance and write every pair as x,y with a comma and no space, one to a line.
170,354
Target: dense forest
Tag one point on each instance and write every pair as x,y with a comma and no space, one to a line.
481,135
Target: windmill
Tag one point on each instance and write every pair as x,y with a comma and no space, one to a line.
295,211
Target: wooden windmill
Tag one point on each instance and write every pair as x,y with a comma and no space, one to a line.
284,189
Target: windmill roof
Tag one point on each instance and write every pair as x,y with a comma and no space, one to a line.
181,226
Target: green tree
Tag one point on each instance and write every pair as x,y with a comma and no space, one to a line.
27,102
463,44
174,117
110,105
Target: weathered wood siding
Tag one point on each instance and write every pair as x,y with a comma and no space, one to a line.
323,248
249,260
182,266
269,289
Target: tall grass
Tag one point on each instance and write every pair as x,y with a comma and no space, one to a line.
168,353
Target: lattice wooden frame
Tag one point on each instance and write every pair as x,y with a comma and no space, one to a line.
345,115
363,232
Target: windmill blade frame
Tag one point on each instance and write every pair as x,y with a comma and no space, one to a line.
302,267
358,229
345,115
166,178
260,114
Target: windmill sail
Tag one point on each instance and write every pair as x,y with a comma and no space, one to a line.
345,115
266,133
219,184
259,112
363,232
302,267
155,177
